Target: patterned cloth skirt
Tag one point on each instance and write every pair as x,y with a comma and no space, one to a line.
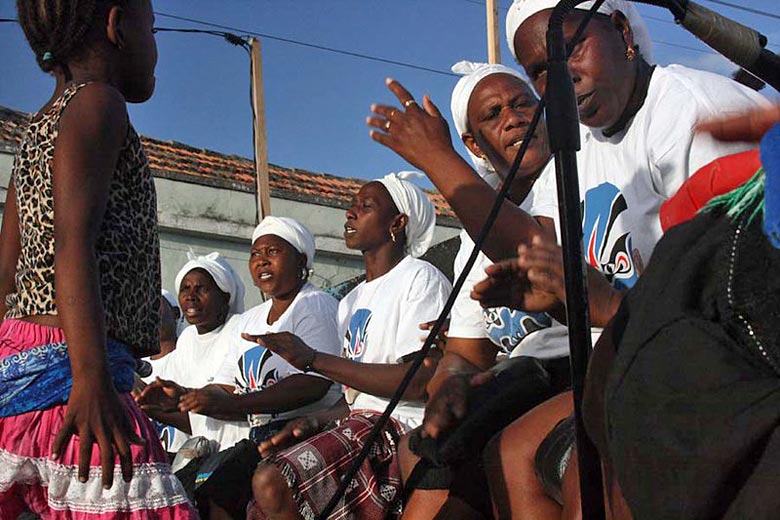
31,480
314,468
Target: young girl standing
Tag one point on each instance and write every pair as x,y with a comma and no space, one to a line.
79,236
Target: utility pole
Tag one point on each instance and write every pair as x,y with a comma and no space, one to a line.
261,143
494,48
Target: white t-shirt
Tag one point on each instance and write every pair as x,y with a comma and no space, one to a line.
194,364
625,178
379,321
511,330
251,368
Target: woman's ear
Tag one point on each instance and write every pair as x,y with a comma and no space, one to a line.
621,23
399,223
114,31
471,144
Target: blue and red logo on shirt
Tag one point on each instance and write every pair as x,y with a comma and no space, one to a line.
357,334
605,249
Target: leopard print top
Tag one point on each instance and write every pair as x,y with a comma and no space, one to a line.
127,246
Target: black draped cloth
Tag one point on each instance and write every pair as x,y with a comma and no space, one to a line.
692,401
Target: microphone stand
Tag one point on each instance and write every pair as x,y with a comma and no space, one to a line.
564,138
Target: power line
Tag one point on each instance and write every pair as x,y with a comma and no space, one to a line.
746,9
310,45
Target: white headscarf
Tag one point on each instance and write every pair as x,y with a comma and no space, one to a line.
295,233
521,10
415,204
170,298
473,73
224,276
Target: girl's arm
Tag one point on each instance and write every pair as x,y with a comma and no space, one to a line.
379,379
10,247
92,131
288,394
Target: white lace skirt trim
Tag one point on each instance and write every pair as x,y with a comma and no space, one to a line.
153,485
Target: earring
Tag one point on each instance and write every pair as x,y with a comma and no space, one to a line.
630,54
392,236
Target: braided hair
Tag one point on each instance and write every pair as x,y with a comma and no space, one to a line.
56,29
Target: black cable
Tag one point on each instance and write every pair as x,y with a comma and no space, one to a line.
376,430
311,45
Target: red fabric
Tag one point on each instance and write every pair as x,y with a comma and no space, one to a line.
716,178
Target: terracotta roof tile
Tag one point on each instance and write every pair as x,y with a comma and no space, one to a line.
179,161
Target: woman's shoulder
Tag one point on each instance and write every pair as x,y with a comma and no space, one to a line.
709,91
422,272
312,296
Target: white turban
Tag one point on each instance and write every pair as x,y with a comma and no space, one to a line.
170,298
415,204
473,73
224,276
295,233
521,10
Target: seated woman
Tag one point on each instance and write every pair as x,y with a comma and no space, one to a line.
492,107
211,295
391,222
254,384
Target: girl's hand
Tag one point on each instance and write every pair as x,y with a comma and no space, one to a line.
96,414
419,135
288,346
293,432
161,396
209,400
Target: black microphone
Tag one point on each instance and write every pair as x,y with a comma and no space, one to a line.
143,368
739,43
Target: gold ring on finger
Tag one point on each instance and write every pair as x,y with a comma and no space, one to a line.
409,102
387,125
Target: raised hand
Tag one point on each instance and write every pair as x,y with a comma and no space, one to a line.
293,432
161,396
508,285
418,134
95,413
288,346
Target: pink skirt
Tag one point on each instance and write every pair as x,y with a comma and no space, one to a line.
30,479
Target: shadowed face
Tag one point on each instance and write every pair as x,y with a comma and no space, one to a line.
138,51
603,77
203,303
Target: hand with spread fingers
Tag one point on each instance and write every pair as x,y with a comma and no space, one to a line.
95,414
448,405
508,285
286,345
161,395
418,134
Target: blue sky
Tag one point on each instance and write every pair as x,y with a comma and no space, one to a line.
317,101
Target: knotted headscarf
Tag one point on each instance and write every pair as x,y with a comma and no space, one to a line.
224,276
415,204
295,233
473,73
521,10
